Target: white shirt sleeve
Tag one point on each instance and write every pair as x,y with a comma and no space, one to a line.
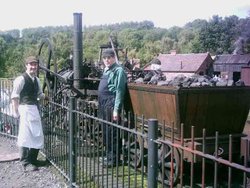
17,87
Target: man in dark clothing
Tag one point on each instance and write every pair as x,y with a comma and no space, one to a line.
111,93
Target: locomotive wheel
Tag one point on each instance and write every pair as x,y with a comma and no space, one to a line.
45,54
92,134
135,150
164,164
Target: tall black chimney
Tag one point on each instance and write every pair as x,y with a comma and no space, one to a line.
77,52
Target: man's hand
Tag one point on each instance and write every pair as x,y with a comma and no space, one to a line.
15,105
16,114
46,98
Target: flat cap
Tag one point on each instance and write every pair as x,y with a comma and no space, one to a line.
31,59
108,53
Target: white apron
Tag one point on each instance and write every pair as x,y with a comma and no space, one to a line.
30,127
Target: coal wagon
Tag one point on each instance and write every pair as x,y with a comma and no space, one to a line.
180,110
222,109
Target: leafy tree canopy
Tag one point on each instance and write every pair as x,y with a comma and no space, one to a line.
141,39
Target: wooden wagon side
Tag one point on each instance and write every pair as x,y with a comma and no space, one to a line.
222,109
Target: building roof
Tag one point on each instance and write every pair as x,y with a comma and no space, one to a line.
183,62
232,59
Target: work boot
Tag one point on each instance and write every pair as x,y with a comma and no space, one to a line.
29,167
40,163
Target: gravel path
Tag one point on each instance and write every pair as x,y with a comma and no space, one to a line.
13,176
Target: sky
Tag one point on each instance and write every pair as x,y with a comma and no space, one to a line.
17,14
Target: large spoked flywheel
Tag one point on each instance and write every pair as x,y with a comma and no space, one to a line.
46,64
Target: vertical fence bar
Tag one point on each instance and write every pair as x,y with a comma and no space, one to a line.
246,152
192,159
172,157
143,146
72,149
152,153
215,162
203,159
230,160
182,155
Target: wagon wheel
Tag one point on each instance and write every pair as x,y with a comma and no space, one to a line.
45,55
89,130
164,156
91,133
135,150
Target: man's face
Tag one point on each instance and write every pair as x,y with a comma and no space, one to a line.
108,60
31,68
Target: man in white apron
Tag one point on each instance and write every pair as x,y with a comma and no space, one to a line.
26,92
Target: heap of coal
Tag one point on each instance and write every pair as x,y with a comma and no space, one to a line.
158,78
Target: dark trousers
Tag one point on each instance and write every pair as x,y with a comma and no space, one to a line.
111,136
28,155
111,139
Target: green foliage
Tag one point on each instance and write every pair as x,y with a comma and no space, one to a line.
62,44
142,40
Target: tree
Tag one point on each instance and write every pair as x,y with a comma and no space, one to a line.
62,43
2,56
141,39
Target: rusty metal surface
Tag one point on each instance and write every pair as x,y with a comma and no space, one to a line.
222,109
153,88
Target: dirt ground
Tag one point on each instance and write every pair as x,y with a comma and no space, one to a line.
13,176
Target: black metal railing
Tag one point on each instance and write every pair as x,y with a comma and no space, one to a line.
148,156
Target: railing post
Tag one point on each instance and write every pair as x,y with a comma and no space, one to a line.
152,153
72,147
